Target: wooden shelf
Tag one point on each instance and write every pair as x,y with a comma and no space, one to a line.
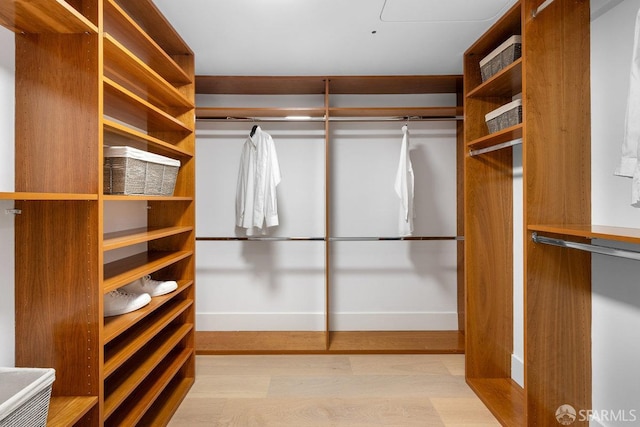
361,342
122,104
123,66
140,335
619,234
132,411
44,16
503,397
66,411
136,139
114,326
167,403
506,135
121,386
130,198
46,196
122,27
506,83
338,85
125,271
427,112
148,16
223,112
125,238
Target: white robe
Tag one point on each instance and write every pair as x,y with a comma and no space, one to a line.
404,187
629,165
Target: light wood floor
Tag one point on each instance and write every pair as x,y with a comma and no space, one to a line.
331,390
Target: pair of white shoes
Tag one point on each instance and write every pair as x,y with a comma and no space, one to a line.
136,295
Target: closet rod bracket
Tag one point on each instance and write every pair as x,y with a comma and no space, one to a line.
12,211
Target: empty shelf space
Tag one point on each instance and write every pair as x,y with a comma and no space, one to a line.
128,107
122,65
167,403
119,353
140,140
121,386
44,16
122,27
124,238
124,271
116,325
503,397
504,136
292,342
68,410
418,342
620,234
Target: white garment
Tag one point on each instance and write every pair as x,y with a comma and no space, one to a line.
629,165
258,177
404,187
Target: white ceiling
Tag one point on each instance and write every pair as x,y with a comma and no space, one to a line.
333,37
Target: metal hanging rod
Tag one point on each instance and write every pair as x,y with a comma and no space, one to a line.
331,119
330,239
542,7
603,250
495,147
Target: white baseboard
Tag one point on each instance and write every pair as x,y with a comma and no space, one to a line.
316,321
517,370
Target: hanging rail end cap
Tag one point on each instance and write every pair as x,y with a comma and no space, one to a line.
534,237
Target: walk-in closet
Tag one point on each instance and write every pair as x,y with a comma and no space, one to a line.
374,212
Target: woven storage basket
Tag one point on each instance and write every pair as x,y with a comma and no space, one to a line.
501,57
131,171
506,116
24,396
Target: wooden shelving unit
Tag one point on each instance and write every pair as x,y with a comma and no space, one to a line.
328,341
116,370
553,77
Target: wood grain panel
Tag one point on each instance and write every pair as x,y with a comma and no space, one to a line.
557,162
57,120
56,300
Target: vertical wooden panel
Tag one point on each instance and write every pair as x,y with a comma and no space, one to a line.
57,113
557,164
57,301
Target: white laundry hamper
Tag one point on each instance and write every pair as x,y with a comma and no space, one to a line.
24,396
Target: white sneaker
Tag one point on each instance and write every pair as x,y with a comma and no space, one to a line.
152,287
121,302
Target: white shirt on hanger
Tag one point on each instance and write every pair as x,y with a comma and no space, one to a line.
258,177
404,186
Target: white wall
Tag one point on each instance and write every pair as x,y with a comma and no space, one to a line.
616,291
7,126
375,285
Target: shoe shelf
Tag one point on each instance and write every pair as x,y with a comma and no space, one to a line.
115,326
121,26
126,270
125,238
167,403
119,387
123,66
132,410
47,16
123,349
122,104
